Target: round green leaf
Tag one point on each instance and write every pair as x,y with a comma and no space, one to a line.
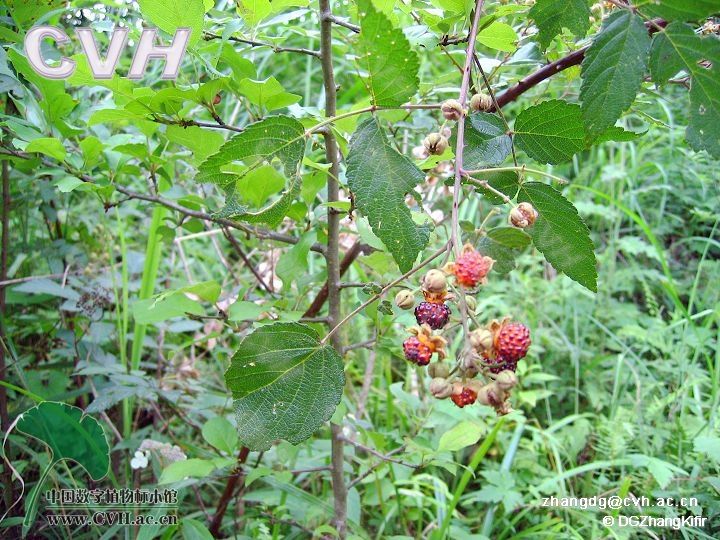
69,434
285,383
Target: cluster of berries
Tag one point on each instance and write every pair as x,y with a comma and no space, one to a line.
496,348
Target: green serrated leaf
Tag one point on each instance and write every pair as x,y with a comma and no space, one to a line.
550,132
285,384
679,48
202,142
560,234
169,15
385,307
50,146
615,134
506,182
384,53
274,138
221,434
680,10
504,256
613,70
26,12
380,178
498,36
551,16
254,11
461,436
486,141
510,237
267,93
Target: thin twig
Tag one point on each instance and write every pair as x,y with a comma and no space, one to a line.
248,263
384,457
386,288
374,467
341,22
276,48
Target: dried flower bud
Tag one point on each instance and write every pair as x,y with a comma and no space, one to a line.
506,380
435,143
481,102
438,369
488,396
435,281
475,385
405,299
441,388
523,215
420,152
452,109
481,339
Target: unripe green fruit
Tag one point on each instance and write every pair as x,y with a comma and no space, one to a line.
439,369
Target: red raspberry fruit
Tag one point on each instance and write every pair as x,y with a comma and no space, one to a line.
466,397
434,315
512,342
416,351
471,267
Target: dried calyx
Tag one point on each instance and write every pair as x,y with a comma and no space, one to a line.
481,102
435,143
452,109
405,299
523,215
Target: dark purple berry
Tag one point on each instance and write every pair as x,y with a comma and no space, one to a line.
434,315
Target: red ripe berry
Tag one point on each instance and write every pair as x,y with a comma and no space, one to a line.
434,315
512,342
416,351
466,397
471,267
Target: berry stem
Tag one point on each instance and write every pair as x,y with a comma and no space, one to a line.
459,149
386,288
522,169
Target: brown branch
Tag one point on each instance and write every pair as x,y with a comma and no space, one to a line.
573,59
357,249
207,36
332,258
232,482
341,22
